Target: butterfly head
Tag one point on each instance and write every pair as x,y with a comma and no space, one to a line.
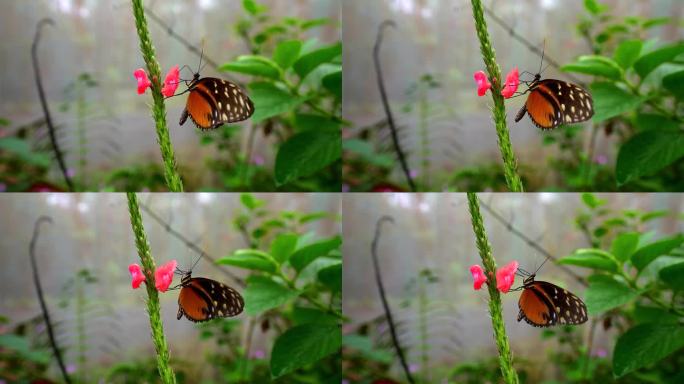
528,280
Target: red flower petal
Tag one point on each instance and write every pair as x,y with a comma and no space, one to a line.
171,82
512,82
483,83
505,276
479,277
163,276
137,276
143,81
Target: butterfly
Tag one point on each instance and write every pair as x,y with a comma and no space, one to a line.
543,304
202,299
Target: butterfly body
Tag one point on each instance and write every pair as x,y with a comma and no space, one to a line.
213,102
202,299
554,102
543,304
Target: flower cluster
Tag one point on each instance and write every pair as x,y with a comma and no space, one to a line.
170,82
163,276
509,88
505,276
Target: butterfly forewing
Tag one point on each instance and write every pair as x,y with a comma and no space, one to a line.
554,102
213,102
203,299
543,304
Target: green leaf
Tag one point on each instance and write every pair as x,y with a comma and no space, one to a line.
270,101
303,345
611,101
314,216
655,22
596,66
332,277
367,152
646,344
303,315
594,7
263,294
250,259
250,202
644,314
305,255
591,201
22,347
252,7
650,61
673,276
287,52
605,293
364,345
23,150
624,245
310,122
646,121
646,254
306,153
653,215
253,65
310,61
627,53
648,152
674,83
283,246
591,258
333,83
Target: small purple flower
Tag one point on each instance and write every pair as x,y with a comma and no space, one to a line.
258,160
600,352
71,368
601,159
345,187
3,188
413,368
345,381
71,172
414,173
258,354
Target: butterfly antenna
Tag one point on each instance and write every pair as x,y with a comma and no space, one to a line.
542,59
541,265
199,67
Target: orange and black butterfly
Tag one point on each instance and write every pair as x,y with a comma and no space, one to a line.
202,299
213,102
543,304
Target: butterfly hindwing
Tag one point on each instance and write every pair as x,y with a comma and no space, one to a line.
569,308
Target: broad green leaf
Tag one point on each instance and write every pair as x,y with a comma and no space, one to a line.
591,201
644,345
253,65
673,276
308,253
644,314
646,121
648,152
650,61
591,258
646,254
263,294
252,7
364,345
23,150
306,153
611,101
283,246
303,345
596,66
314,216
594,7
653,215
333,83
674,83
313,23
624,245
250,259
270,101
250,202
628,52
332,277
304,315
605,293
311,122
287,52
310,61
23,348
366,150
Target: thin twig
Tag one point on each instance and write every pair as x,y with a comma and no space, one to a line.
44,105
188,243
383,297
385,103
530,242
41,298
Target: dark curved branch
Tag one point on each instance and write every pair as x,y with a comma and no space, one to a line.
531,242
43,102
41,298
383,297
385,103
188,243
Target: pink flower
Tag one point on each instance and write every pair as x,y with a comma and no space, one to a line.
479,277
512,82
137,277
171,82
483,83
143,81
163,276
505,276
601,159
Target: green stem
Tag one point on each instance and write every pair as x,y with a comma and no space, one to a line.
495,306
499,111
153,307
173,180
